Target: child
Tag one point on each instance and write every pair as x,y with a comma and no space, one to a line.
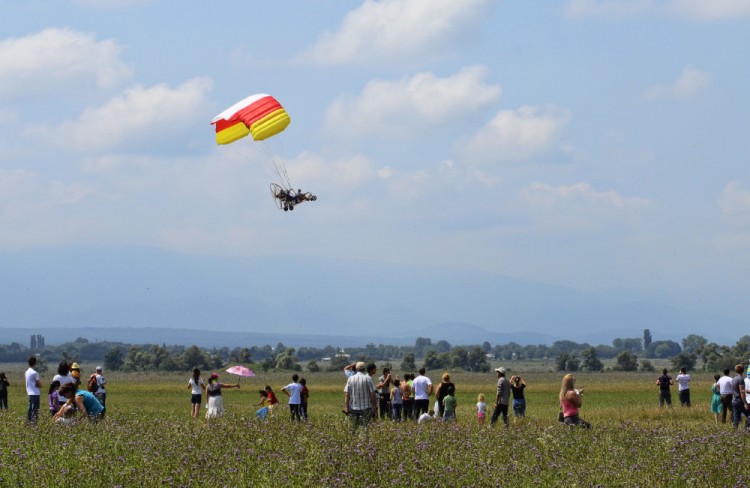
397,401
53,398
449,403
426,417
481,409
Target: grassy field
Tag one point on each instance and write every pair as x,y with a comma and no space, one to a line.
149,439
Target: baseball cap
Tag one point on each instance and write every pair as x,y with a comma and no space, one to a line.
98,368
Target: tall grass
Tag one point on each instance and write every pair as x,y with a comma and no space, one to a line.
149,439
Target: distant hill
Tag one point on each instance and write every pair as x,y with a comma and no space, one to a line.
146,289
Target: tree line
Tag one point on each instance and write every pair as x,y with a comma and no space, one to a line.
630,354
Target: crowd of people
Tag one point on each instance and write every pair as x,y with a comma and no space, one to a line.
66,400
396,399
409,399
728,393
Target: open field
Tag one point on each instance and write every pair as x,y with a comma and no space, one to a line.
149,439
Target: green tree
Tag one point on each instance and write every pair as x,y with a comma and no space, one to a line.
693,343
590,360
432,361
647,366
686,359
195,357
313,367
477,361
114,359
408,364
647,339
626,361
561,363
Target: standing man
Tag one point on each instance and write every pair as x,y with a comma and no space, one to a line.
664,382
422,390
502,399
739,398
725,391
33,386
101,393
683,387
293,390
359,397
384,391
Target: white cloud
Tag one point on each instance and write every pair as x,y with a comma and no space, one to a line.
35,210
710,10
59,60
690,83
607,8
517,134
577,206
137,116
398,108
399,30
700,10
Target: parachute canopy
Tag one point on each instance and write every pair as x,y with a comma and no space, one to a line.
260,115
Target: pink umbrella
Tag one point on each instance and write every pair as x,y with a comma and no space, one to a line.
241,371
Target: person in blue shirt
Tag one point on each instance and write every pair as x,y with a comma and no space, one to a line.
86,402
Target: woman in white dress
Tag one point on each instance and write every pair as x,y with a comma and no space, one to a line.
215,401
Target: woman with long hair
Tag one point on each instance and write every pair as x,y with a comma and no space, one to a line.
571,400
197,387
716,398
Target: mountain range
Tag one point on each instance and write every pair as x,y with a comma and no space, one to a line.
107,291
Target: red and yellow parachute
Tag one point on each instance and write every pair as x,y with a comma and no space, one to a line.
260,115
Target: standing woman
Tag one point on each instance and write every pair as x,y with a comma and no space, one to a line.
4,384
197,387
517,385
442,392
63,377
716,398
215,402
571,400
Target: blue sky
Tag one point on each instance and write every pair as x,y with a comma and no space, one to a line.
592,144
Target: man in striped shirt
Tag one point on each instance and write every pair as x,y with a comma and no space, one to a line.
360,397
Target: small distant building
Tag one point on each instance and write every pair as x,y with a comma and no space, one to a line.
489,357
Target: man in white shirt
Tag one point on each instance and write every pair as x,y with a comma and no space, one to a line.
423,388
293,390
725,390
683,387
33,389
101,393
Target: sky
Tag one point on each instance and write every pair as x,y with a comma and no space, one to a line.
595,144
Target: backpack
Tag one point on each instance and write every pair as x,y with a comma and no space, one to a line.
93,384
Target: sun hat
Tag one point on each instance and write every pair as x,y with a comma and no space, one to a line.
500,370
98,368
74,366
